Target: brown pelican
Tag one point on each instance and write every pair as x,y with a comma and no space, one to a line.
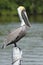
20,32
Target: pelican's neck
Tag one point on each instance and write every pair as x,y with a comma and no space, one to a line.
22,23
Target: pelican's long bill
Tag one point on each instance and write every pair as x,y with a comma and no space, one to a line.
25,18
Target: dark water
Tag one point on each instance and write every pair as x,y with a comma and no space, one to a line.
36,18
32,18
31,45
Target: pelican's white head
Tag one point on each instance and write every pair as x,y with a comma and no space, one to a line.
23,16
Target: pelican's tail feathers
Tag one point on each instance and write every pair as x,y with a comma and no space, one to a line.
3,46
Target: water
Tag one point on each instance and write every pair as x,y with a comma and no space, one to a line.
36,18
31,45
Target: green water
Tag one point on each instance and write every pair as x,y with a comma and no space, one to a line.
31,45
32,18
36,18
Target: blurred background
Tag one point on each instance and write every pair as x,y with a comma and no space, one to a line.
32,43
8,10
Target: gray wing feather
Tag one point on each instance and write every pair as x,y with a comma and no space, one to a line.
21,34
13,35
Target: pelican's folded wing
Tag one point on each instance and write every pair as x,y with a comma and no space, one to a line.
12,36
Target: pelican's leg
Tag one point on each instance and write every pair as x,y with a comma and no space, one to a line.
15,45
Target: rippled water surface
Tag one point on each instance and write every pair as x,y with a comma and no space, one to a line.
31,45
